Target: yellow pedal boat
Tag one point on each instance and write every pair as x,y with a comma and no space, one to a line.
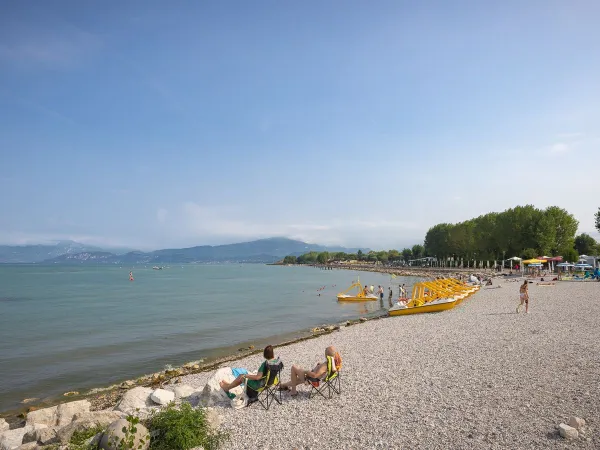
346,296
434,296
429,307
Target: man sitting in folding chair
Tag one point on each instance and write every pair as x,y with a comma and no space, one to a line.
325,376
264,386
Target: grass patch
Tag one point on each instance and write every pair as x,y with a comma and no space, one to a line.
183,428
79,438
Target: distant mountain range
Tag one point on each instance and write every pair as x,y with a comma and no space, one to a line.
68,252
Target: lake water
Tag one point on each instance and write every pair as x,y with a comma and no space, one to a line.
75,328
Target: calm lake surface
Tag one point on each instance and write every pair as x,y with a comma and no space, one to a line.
75,328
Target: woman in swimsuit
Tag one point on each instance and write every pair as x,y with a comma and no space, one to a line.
524,297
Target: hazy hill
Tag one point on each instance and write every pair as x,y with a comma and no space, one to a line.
37,253
262,250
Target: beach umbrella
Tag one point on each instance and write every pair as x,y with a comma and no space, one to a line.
565,264
534,261
583,266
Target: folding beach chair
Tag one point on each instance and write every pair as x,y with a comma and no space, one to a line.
269,386
330,383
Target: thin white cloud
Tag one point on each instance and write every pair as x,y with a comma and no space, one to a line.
199,222
560,147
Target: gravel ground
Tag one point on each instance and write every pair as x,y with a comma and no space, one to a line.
477,376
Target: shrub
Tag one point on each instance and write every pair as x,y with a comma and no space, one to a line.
79,438
183,428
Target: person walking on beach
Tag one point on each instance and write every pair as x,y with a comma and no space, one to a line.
524,297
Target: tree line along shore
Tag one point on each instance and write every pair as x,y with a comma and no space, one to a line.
522,231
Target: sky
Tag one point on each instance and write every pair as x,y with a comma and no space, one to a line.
149,124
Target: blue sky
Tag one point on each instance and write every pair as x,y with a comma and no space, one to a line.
154,124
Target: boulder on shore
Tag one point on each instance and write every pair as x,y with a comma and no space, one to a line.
212,394
44,436
4,425
114,435
87,421
29,446
162,397
60,415
11,439
136,398
184,391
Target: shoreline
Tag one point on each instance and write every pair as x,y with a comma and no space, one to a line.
103,397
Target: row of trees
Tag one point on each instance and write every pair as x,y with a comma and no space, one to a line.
523,231
417,251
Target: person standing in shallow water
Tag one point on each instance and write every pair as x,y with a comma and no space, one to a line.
390,295
524,297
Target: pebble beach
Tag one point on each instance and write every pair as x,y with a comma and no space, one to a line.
477,376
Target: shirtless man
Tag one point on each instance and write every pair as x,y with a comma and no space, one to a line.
299,375
524,297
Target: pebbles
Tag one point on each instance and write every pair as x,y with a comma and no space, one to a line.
477,376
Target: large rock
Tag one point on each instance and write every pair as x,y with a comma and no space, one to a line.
60,415
46,416
44,436
162,397
28,446
184,391
114,434
86,421
567,432
3,425
67,411
136,398
212,394
576,422
12,439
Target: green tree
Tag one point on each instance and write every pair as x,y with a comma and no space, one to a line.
585,244
570,254
323,257
290,260
597,217
529,253
418,251
340,256
308,258
393,255
382,256
406,254
566,227
360,255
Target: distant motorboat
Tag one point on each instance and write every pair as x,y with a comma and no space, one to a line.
157,268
